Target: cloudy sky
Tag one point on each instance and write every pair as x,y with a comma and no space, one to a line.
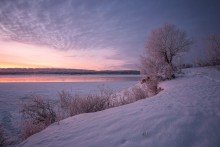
96,34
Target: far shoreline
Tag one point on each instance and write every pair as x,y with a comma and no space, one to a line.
36,71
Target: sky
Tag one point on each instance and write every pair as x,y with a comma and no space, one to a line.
96,34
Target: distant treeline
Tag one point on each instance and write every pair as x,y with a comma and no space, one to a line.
4,71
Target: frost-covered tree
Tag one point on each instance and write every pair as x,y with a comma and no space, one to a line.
163,46
214,49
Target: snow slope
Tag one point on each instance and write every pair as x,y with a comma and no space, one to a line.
186,113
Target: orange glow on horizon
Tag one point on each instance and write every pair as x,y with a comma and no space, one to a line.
19,55
39,79
15,65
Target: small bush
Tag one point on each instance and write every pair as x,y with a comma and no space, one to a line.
91,103
126,98
139,93
129,96
76,104
29,127
116,100
37,114
151,85
65,99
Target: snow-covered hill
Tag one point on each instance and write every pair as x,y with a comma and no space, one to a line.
185,113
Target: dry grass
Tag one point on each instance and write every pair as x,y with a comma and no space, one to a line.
77,104
37,114
150,85
129,96
139,93
29,127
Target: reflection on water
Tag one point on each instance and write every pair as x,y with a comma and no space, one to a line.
67,78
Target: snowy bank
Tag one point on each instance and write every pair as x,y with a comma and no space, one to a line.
185,113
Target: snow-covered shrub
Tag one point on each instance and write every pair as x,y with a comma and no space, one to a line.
37,114
39,109
139,93
91,103
65,98
151,84
106,93
119,99
126,98
76,104
29,127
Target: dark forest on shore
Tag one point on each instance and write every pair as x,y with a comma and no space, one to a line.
15,71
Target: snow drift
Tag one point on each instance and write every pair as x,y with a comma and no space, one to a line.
185,113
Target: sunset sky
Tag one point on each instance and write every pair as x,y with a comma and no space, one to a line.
96,34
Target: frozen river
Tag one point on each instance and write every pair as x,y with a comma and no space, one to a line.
15,88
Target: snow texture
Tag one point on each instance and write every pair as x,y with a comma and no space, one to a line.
185,113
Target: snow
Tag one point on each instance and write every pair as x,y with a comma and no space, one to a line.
185,113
